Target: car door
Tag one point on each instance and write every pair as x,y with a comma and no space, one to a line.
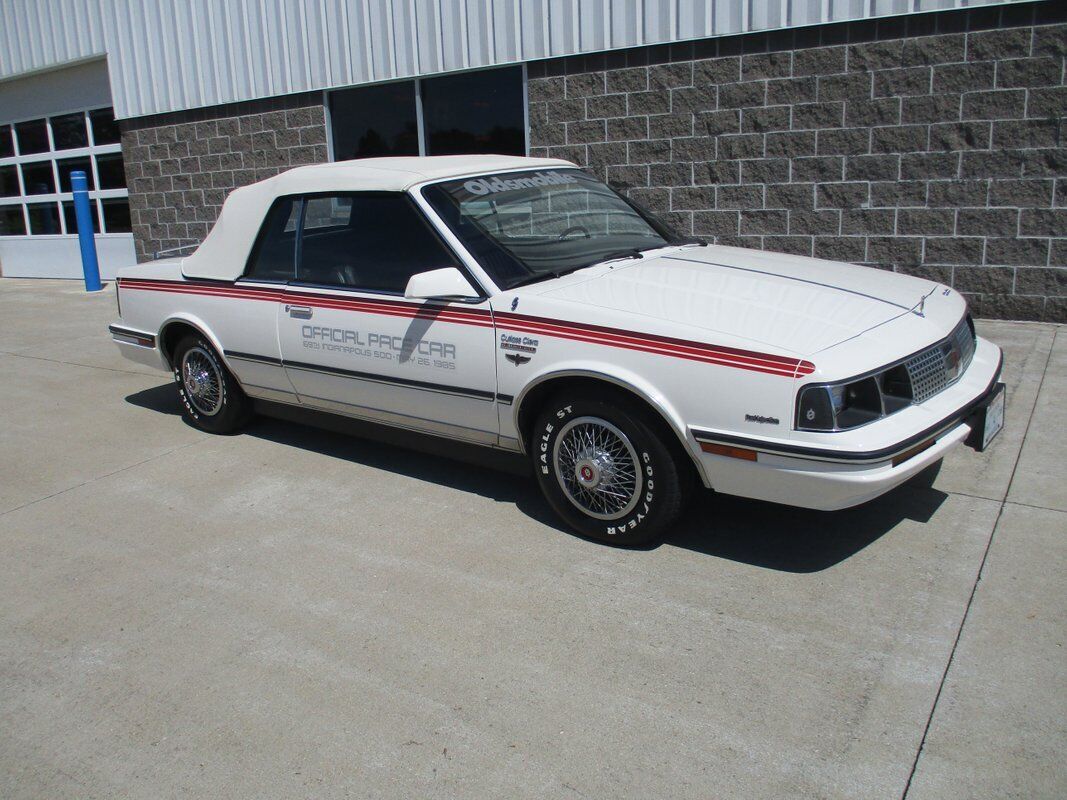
351,342
246,322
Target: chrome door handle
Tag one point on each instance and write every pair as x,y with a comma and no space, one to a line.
300,312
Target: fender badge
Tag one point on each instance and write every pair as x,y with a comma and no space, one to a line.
762,419
514,304
518,359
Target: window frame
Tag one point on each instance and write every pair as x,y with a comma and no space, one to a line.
52,157
420,122
302,197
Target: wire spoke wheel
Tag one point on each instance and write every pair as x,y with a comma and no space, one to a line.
202,381
597,468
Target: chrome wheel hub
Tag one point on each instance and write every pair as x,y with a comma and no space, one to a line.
597,468
202,381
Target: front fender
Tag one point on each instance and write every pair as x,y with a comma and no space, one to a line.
624,379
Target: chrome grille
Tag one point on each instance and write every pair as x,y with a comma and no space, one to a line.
934,369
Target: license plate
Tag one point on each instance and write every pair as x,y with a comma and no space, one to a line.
994,418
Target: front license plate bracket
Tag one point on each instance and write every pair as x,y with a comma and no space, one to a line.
988,420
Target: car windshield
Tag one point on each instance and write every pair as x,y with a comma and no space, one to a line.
530,225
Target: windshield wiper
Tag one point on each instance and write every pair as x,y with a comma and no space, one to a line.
632,252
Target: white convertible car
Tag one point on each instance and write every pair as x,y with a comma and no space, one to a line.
519,303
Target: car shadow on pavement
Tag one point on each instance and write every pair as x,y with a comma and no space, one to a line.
761,534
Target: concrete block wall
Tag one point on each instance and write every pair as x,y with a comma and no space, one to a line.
180,167
931,144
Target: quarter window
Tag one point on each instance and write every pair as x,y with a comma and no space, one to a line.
274,255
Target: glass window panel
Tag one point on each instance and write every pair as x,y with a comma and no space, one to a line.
44,219
105,129
72,218
68,165
32,136
38,178
274,254
117,215
386,241
12,223
475,112
327,212
9,182
112,173
374,121
7,145
68,131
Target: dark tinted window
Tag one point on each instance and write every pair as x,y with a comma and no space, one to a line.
7,145
105,129
12,223
44,218
32,136
69,165
475,112
68,131
72,218
38,179
374,121
9,182
117,215
274,255
112,174
386,240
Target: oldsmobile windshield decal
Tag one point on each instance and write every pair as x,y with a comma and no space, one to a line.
483,186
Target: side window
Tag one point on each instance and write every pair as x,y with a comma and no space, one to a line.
274,254
374,242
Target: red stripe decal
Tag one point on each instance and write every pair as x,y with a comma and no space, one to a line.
560,329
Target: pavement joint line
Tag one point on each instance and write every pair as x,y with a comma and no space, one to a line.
74,363
977,578
106,475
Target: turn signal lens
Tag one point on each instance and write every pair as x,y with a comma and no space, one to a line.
726,450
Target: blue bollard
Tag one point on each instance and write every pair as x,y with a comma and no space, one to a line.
86,240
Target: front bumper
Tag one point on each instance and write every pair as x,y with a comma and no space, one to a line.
807,475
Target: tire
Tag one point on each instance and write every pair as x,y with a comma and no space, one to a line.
604,468
211,399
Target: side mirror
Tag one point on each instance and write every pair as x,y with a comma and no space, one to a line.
440,284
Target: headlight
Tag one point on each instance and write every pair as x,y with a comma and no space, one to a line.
855,402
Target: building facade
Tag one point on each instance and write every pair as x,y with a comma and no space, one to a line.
925,137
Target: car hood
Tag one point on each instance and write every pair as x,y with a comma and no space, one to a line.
798,304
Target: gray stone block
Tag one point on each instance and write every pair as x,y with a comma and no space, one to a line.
634,79
933,49
997,44
808,222
842,195
1018,252
819,61
818,115
911,221
994,104
959,78
841,248
1022,72
770,118
902,82
964,250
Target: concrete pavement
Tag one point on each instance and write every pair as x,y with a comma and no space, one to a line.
292,612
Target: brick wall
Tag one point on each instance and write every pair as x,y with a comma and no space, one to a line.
931,144
180,167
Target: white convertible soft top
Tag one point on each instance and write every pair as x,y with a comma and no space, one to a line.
222,255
